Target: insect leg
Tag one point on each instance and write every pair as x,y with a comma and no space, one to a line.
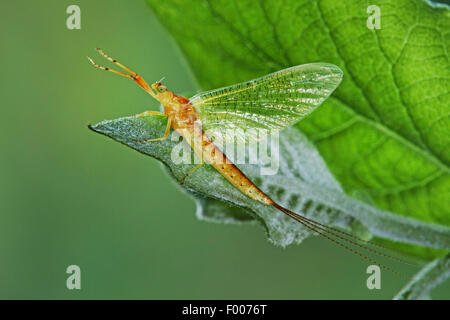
191,172
166,133
150,113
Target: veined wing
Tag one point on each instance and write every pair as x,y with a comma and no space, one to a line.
272,102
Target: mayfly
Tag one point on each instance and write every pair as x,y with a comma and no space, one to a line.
272,102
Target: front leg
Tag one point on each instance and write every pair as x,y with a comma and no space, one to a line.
150,113
191,172
166,133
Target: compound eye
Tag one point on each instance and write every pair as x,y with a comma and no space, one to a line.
162,88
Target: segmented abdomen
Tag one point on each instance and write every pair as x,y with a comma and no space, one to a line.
205,149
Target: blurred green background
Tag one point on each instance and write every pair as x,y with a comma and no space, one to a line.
69,196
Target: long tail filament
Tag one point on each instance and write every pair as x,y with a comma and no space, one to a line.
329,232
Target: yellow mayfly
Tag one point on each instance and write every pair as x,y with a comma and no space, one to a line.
272,102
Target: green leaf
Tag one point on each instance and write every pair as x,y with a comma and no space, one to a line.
423,282
302,183
383,135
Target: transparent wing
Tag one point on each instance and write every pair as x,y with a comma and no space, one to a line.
269,103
